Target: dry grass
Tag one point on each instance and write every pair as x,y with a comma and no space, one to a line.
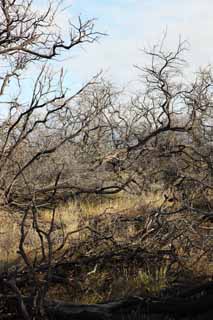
9,236
103,284
67,216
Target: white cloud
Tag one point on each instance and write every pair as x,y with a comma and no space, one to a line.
133,24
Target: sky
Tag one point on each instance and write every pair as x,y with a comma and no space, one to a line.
131,26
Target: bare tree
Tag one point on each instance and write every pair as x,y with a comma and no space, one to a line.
55,145
31,38
37,123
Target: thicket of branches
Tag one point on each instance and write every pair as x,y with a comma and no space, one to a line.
55,146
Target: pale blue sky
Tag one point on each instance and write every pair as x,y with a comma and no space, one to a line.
132,25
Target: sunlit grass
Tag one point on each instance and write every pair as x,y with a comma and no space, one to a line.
103,284
154,280
68,216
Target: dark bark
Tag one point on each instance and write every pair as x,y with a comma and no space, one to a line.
193,303
200,308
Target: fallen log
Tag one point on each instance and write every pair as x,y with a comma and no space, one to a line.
197,306
194,303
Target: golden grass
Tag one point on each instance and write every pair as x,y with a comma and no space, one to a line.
68,216
10,238
103,284
155,279
9,235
